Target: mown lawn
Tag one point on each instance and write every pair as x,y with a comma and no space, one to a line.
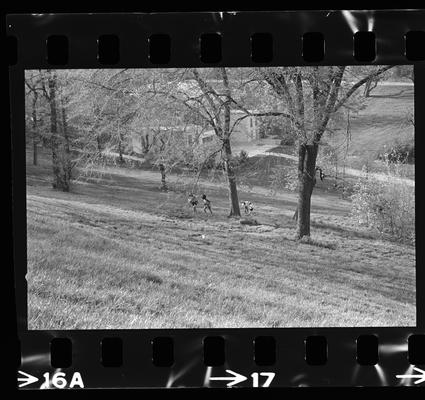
382,122
119,253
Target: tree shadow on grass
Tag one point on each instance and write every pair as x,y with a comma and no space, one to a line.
401,94
346,232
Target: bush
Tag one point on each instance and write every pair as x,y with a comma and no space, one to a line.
287,140
278,127
243,156
385,205
286,178
240,159
399,153
211,163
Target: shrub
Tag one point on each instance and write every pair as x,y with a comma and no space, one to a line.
278,127
240,159
385,205
283,178
399,153
288,139
243,156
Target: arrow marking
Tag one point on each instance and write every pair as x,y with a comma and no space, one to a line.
421,376
27,379
234,380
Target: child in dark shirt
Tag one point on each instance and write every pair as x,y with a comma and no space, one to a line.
193,202
248,207
207,204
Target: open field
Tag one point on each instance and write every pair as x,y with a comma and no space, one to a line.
119,253
383,121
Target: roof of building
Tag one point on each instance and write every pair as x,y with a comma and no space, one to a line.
182,128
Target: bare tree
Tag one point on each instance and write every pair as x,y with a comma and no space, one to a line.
34,126
33,84
212,105
50,90
210,96
223,130
312,96
67,162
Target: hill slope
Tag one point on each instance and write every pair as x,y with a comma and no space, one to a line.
119,253
383,121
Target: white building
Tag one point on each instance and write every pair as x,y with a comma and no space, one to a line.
245,129
143,139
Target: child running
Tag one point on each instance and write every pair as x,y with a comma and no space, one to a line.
207,204
248,207
193,202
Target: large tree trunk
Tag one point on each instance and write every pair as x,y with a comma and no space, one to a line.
146,144
307,154
231,178
163,177
99,145
59,179
120,143
67,152
225,136
120,157
34,129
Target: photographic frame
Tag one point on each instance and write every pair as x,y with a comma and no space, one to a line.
192,346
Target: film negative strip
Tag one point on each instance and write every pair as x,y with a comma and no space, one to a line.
221,199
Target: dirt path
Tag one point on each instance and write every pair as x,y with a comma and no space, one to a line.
261,148
356,172
263,151
256,147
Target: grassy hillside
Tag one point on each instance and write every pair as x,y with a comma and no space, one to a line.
119,253
383,121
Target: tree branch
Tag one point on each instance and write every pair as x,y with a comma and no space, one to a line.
361,82
207,90
330,103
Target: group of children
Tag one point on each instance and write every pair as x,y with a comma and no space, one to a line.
193,202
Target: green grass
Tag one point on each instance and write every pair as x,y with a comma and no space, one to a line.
118,253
